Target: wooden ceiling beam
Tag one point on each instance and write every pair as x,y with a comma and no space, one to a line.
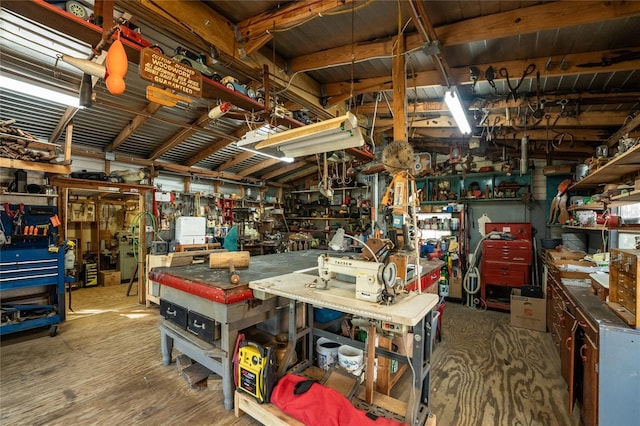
258,30
577,64
260,166
579,135
179,137
498,25
547,16
344,54
312,169
440,107
199,19
235,160
595,119
628,126
133,125
282,170
215,147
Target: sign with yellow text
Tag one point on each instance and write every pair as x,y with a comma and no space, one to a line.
166,72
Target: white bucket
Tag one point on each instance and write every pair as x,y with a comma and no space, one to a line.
327,351
577,241
351,359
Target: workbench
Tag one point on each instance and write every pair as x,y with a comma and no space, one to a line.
206,294
199,290
411,312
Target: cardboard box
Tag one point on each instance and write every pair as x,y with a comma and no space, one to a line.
568,255
108,278
560,263
528,312
455,287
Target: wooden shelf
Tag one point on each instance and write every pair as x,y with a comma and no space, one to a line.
66,23
632,228
487,200
32,165
27,194
621,165
590,206
586,228
630,198
305,191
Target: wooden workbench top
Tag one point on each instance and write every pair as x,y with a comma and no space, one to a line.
213,284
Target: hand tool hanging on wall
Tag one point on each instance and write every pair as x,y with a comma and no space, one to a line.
16,216
514,90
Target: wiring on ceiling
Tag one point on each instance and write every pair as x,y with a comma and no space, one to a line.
427,38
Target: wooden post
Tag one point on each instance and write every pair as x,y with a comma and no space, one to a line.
371,356
399,78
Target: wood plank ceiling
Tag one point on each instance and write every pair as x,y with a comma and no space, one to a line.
389,62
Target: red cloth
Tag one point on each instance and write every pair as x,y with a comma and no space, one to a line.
321,405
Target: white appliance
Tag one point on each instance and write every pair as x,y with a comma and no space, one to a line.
191,230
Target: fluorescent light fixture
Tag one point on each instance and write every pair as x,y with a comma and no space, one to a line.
29,89
452,99
329,135
264,154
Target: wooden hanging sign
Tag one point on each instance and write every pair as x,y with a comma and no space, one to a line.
166,72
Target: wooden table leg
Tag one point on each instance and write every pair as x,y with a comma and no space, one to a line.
371,356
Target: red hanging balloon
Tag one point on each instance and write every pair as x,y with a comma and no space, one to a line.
117,65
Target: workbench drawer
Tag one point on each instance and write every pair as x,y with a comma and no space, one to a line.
203,327
174,313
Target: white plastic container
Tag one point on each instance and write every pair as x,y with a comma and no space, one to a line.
327,351
351,359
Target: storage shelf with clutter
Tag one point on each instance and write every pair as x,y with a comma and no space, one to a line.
473,187
439,238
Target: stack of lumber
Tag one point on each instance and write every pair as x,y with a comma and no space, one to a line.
18,144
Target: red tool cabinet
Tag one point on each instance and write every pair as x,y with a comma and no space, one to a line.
506,264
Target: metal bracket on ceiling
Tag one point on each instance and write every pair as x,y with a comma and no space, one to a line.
431,48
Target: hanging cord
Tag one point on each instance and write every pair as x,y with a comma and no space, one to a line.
137,223
473,269
373,123
353,53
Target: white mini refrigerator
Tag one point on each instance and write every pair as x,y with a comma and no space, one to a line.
191,230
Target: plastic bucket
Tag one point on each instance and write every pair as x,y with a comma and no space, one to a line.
576,241
327,351
351,359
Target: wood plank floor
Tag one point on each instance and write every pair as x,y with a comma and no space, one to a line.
105,368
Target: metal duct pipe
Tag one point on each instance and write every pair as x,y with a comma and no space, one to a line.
524,155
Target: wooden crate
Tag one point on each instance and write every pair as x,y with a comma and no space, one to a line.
267,414
624,291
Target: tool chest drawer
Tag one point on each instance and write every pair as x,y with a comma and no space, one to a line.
505,273
174,313
203,327
624,299
32,289
507,251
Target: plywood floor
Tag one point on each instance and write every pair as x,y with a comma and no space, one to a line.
105,368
